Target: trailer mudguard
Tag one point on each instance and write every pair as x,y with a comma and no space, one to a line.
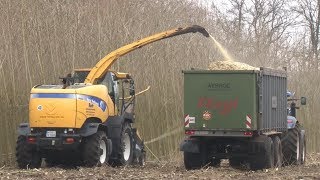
190,145
24,129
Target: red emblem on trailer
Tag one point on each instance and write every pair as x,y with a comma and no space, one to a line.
206,115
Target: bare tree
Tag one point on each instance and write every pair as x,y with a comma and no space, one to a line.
309,10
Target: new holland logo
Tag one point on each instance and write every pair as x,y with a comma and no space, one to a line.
206,115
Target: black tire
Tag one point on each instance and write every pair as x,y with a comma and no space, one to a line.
26,155
291,146
95,149
236,162
193,160
125,156
278,156
142,159
215,162
265,158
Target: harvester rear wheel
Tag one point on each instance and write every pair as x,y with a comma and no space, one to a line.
291,146
126,146
26,155
95,149
278,156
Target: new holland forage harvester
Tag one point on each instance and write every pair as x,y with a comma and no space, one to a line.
89,118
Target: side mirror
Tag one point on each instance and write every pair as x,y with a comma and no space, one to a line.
303,100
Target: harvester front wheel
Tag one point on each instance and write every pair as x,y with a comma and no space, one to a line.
95,149
26,155
126,146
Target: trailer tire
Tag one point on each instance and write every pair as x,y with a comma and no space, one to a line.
278,156
291,146
125,156
95,149
265,158
26,155
193,160
236,162
215,162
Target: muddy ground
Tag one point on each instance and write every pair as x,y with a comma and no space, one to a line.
166,170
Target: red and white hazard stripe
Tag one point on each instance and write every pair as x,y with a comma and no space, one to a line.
187,121
248,122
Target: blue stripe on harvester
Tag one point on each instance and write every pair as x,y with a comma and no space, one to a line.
91,99
53,95
94,100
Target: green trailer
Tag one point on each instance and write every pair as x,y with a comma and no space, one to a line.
240,115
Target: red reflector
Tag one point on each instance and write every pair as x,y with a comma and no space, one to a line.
289,121
69,140
31,139
248,133
189,132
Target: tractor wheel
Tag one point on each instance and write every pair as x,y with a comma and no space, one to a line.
303,148
277,151
125,156
95,149
291,146
26,155
264,159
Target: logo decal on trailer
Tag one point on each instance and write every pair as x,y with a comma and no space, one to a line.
206,115
248,122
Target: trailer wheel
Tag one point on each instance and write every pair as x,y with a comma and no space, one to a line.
95,149
193,160
126,146
236,162
26,155
215,162
291,146
278,156
265,158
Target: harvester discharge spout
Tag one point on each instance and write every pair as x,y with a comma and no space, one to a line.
104,64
